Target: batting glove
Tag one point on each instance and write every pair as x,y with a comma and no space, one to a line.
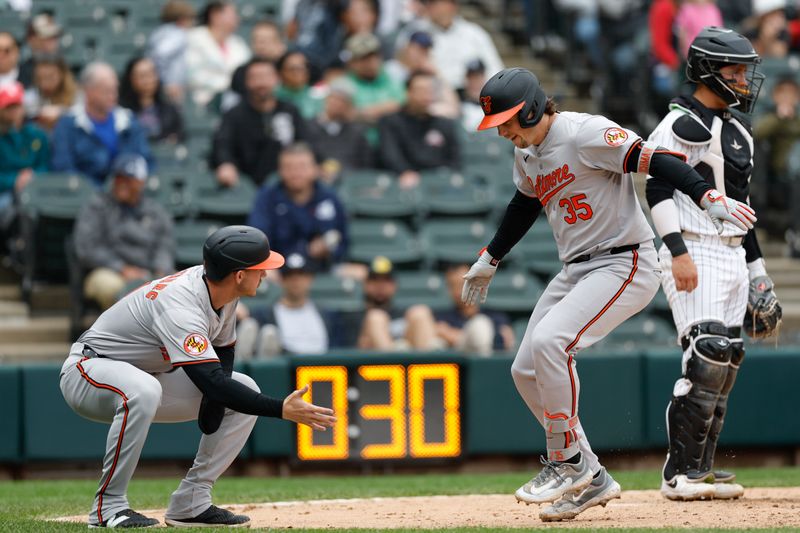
720,208
476,281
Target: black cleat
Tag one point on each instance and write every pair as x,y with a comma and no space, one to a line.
212,517
127,518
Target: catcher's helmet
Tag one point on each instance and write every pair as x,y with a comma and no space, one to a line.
235,248
715,48
512,91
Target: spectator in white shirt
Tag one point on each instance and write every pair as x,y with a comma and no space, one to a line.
456,41
214,51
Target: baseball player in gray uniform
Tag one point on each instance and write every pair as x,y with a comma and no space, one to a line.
710,268
576,167
164,353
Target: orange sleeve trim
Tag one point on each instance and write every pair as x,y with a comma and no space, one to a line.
628,155
679,155
201,361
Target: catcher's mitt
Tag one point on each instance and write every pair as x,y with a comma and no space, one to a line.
763,316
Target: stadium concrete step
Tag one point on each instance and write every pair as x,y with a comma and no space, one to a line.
35,330
40,352
12,309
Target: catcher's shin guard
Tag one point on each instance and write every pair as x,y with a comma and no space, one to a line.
737,356
694,398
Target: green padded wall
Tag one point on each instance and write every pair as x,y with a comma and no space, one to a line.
272,437
10,412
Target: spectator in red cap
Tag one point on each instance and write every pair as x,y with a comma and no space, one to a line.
23,147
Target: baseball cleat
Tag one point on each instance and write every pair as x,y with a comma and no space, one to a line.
554,481
727,491
680,487
127,518
723,476
212,517
600,491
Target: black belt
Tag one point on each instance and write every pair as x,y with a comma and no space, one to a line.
618,250
90,353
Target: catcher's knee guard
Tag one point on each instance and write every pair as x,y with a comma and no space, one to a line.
737,356
706,361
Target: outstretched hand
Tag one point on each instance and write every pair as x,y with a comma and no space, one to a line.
296,409
723,208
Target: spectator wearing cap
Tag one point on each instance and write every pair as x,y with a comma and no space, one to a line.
52,92
23,148
266,42
42,37
121,236
413,140
254,131
89,137
339,142
415,56
471,110
214,51
294,324
376,93
381,325
9,58
167,46
140,91
302,215
361,16
294,87
467,328
456,41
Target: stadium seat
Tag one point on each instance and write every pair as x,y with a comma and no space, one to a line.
479,147
336,294
449,193
171,189
212,201
189,238
427,288
390,238
266,295
456,240
374,193
48,207
641,328
537,251
513,292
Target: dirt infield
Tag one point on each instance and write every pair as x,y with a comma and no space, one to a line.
761,507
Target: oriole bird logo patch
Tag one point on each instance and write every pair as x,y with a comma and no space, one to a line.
486,104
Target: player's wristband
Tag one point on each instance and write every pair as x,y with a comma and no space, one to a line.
675,244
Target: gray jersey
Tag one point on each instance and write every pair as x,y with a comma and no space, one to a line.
691,217
577,173
164,324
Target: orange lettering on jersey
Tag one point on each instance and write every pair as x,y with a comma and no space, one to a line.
549,184
152,294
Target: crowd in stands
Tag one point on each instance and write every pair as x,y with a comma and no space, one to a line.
293,105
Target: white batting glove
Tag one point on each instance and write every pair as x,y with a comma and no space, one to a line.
476,281
720,207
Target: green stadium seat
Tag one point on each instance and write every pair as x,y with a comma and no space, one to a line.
189,238
370,238
212,201
427,288
641,328
336,294
171,189
514,292
479,147
48,207
199,122
537,251
456,240
374,193
266,296
449,193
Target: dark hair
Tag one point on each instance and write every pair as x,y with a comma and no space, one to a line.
212,7
127,95
268,23
258,61
299,147
418,74
175,10
550,108
286,55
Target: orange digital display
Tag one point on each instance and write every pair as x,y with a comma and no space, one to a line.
385,412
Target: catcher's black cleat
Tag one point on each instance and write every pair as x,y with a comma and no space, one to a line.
212,517
127,518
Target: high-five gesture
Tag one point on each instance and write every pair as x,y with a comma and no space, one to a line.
296,409
720,207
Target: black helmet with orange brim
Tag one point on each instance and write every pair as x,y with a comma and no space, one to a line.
234,248
512,91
